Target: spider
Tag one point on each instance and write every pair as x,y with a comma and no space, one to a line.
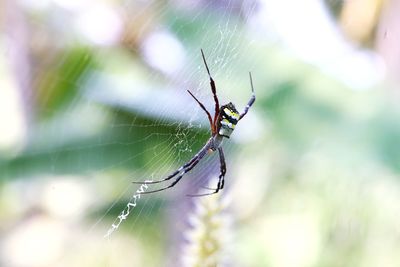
222,125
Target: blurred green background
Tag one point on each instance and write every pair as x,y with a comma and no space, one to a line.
93,97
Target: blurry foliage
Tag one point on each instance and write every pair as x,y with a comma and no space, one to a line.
60,84
123,147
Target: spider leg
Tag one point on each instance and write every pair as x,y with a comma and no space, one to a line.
221,178
186,170
171,175
251,101
184,167
222,172
213,88
204,108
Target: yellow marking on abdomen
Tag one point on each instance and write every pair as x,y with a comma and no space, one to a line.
227,123
231,114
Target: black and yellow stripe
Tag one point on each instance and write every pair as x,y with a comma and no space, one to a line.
228,119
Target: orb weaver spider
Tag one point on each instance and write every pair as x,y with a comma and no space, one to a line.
222,125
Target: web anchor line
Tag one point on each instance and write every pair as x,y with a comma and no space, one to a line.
129,207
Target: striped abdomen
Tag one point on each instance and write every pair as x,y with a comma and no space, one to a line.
228,118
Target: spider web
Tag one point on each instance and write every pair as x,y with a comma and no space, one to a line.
167,101
173,107
129,117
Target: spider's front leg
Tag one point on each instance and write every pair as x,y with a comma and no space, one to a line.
221,178
179,173
177,179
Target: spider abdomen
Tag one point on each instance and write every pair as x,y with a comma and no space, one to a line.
228,118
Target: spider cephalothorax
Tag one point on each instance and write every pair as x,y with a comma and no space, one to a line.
222,125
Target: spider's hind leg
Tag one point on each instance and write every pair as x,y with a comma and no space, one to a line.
213,88
251,101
